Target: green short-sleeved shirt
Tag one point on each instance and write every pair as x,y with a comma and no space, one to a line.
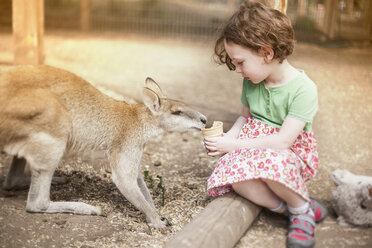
297,98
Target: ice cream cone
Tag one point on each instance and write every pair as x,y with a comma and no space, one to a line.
214,131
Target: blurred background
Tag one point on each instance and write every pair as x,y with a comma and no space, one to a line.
313,20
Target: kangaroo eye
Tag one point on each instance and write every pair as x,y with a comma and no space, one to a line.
177,112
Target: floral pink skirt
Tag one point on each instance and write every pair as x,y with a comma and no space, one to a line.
291,167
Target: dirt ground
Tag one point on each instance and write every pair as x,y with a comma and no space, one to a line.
186,71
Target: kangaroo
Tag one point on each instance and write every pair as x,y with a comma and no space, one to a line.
46,112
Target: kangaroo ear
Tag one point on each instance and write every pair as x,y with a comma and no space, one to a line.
152,85
151,100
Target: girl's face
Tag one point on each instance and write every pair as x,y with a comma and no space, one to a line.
248,63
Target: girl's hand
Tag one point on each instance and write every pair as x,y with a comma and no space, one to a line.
220,145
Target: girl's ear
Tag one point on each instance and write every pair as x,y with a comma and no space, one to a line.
267,53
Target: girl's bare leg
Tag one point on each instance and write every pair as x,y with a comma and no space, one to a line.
258,192
292,199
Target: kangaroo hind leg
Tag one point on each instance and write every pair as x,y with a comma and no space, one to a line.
42,168
16,178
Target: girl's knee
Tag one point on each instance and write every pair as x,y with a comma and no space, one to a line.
266,180
247,186
269,181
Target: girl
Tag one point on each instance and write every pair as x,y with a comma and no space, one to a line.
270,151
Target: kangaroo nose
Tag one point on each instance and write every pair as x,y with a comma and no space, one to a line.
203,119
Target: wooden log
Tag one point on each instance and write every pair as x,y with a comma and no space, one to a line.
220,225
28,31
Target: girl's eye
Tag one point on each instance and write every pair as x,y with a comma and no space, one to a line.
238,63
177,112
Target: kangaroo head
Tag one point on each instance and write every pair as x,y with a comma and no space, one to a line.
172,115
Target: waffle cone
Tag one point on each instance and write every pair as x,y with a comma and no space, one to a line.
215,130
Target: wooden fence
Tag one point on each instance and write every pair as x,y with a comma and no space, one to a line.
197,19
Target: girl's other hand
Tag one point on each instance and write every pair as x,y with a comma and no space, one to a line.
220,145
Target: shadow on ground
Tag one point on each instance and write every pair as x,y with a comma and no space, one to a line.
186,71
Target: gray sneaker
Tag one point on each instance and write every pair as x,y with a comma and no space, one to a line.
319,209
301,231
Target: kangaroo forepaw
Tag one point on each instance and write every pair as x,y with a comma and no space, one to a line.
166,221
162,224
166,230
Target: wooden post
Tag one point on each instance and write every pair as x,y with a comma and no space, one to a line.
283,6
85,15
330,18
301,7
231,4
28,31
280,5
368,20
221,224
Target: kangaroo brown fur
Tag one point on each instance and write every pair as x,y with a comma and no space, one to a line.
46,113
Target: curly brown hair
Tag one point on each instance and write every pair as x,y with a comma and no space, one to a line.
255,26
